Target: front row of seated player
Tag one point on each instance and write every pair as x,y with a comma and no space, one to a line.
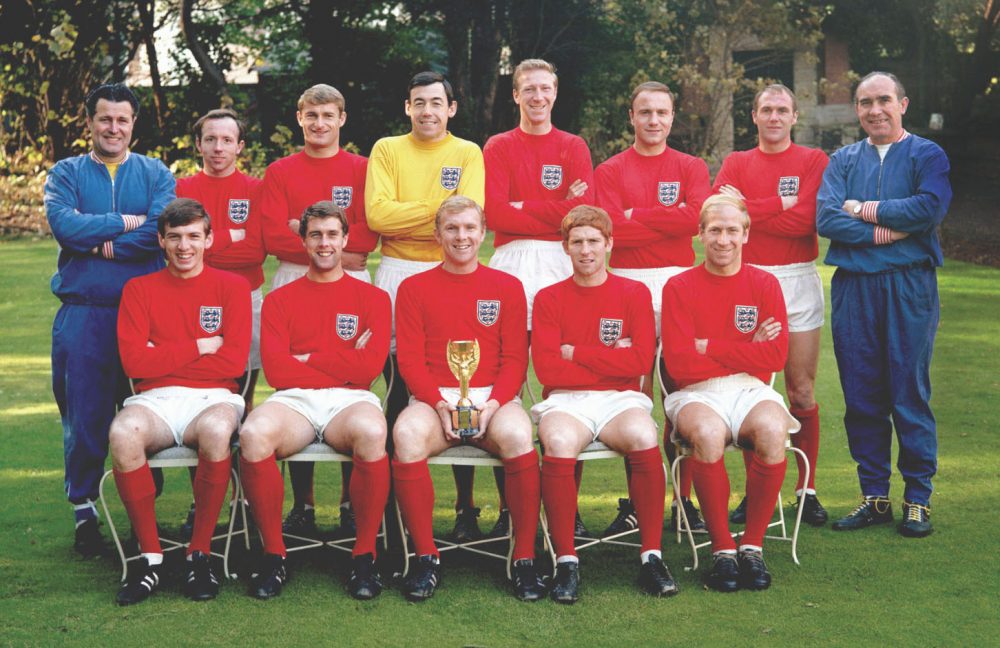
185,330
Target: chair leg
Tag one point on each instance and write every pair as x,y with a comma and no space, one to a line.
547,540
111,525
402,539
235,501
802,500
675,472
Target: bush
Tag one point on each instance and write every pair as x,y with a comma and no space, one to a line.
22,190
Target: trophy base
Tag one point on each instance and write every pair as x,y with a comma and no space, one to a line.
465,422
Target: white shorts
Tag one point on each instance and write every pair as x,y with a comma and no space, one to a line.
594,409
803,292
178,406
360,275
392,272
320,406
256,303
286,274
731,397
654,279
538,264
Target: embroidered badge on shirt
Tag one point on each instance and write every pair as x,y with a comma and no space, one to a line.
211,318
551,176
342,196
488,311
239,210
611,330
667,193
347,326
450,177
745,318
788,186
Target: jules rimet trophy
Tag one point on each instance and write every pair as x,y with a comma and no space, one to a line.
463,360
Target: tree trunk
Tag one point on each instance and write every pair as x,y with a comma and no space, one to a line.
208,67
146,9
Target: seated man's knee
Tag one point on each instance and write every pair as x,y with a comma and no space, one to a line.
707,437
368,436
557,441
769,440
409,436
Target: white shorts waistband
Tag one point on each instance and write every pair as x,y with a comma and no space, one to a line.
790,270
727,383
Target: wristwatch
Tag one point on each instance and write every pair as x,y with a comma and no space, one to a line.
857,209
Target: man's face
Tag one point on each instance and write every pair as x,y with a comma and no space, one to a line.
460,236
429,112
879,110
324,242
775,115
185,247
723,236
535,95
111,129
321,124
587,249
652,116
219,145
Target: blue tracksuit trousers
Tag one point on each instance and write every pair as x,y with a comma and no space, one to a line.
883,336
88,383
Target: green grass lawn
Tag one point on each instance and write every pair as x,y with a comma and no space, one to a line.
871,587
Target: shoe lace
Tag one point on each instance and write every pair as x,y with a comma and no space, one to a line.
916,512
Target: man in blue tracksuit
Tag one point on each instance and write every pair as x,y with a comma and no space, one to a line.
102,208
880,205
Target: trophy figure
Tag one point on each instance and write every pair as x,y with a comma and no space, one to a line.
463,359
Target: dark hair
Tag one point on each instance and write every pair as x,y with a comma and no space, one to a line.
180,212
650,86
776,88
113,92
900,90
430,78
219,113
322,209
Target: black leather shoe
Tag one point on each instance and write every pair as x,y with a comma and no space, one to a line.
466,525
692,513
424,580
871,510
624,521
655,578
916,521
579,529
813,512
725,573
566,585
88,541
502,528
201,584
365,582
753,570
142,581
739,514
271,577
300,522
528,586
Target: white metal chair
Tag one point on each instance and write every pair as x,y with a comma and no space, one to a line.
183,457
684,451
462,455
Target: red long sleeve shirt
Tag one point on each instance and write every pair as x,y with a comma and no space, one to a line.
161,318
777,236
665,193
293,183
436,306
538,170
593,319
324,320
231,203
726,311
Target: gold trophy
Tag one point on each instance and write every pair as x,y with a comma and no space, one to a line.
463,360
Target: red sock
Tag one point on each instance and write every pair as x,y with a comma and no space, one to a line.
647,488
346,469
138,493
711,482
369,492
763,484
807,440
523,484
559,498
211,482
415,496
265,490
